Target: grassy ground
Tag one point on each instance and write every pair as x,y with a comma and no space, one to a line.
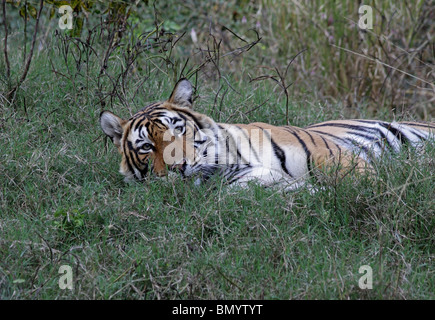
63,202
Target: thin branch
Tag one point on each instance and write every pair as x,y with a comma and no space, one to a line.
281,82
8,67
383,63
29,59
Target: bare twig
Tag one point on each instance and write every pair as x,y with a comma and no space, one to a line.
383,63
281,82
8,67
29,59
211,58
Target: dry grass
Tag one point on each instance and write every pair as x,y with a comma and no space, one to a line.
388,68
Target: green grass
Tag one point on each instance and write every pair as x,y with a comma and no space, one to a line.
63,202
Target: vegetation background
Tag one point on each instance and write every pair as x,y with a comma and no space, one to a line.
63,202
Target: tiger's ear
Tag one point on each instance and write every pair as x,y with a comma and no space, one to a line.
112,126
182,94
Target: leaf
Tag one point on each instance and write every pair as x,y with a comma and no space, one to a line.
172,26
52,13
23,12
86,6
14,2
60,213
78,26
31,10
19,281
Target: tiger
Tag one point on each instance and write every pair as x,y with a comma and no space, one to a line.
170,137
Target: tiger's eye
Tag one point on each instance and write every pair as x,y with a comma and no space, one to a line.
146,147
178,130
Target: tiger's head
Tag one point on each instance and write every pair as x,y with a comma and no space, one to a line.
163,136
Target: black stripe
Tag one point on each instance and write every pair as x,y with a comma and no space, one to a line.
345,142
235,141
327,146
135,123
387,142
361,147
128,159
237,173
156,120
227,149
330,135
151,106
133,151
344,125
311,137
281,156
397,133
307,151
248,137
158,114
193,118
216,145
417,133
417,124
144,171
372,139
367,121
135,156
279,153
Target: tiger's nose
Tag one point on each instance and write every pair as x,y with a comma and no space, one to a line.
161,173
179,167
